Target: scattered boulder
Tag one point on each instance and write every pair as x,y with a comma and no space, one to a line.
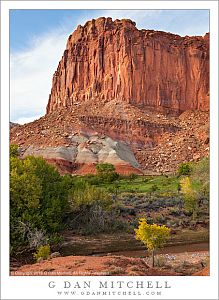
55,254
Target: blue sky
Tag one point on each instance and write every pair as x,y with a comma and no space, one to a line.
38,39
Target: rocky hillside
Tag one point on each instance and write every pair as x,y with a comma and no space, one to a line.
11,124
136,98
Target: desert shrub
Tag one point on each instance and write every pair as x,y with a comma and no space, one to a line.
89,195
114,270
160,219
94,219
42,252
114,189
17,234
154,188
36,237
117,224
97,219
146,180
132,176
206,261
93,179
175,211
160,262
184,169
91,209
186,264
55,238
111,177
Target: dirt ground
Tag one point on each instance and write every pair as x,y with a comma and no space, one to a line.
166,265
186,263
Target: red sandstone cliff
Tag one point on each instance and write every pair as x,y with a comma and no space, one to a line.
106,60
109,86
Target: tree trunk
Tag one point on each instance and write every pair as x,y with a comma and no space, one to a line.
194,215
153,258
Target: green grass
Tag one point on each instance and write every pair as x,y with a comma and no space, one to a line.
143,184
156,185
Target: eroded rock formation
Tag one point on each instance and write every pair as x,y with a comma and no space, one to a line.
136,98
106,60
85,151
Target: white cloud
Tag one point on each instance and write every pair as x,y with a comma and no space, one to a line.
31,75
32,68
139,16
24,120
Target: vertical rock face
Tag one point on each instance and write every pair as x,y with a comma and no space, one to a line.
112,60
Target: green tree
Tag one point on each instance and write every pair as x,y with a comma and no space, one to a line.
106,172
25,194
105,168
53,200
200,175
190,196
13,150
38,197
153,236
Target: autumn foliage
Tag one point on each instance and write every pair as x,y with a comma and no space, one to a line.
153,236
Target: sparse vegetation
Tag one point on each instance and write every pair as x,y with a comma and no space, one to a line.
200,176
106,172
87,196
184,169
190,196
43,203
196,186
90,208
115,270
141,184
43,252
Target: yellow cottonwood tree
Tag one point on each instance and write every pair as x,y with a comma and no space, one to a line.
190,196
153,236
